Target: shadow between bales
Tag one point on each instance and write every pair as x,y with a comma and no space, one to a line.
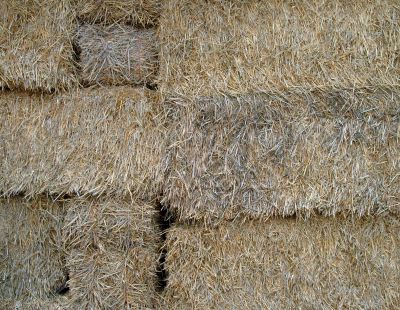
164,221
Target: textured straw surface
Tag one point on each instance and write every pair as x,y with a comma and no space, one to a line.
117,55
237,47
112,248
93,141
266,155
140,12
31,257
36,51
283,264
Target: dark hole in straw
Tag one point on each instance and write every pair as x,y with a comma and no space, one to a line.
165,220
151,86
64,287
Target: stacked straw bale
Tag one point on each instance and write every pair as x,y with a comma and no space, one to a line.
285,264
237,47
117,55
268,155
36,51
31,249
138,12
94,141
112,250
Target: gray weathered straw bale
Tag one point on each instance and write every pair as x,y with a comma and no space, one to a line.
93,141
117,55
141,12
112,247
36,51
237,47
324,263
267,155
31,249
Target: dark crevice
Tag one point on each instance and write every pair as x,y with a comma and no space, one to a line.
151,86
164,220
77,52
64,287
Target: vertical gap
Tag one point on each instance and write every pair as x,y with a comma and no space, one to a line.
64,287
165,220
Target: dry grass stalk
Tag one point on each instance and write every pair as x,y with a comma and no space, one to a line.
36,50
112,248
93,141
324,263
31,249
139,12
117,55
278,155
237,47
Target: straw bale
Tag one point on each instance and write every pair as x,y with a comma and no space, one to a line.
110,223
36,51
268,155
117,55
324,263
112,279
32,262
93,141
236,47
112,250
139,12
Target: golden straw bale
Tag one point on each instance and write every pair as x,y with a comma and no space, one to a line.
91,141
36,51
323,263
236,47
112,247
31,249
265,155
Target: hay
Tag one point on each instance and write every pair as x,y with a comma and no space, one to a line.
278,155
237,47
32,261
140,12
285,264
89,142
36,51
112,250
57,303
117,55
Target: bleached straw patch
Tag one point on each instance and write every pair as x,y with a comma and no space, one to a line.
285,264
